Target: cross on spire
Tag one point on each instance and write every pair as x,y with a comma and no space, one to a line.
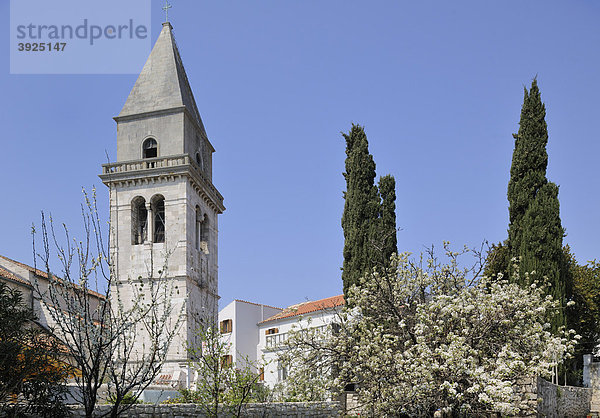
166,9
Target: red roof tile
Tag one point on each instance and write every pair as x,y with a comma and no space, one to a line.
308,307
10,276
44,275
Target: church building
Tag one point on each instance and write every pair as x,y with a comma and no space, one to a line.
163,210
163,205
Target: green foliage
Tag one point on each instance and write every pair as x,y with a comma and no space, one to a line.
529,162
541,247
585,312
387,218
369,219
535,231
361,207
31,370
497,260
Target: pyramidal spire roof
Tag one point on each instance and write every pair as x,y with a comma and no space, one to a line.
163,83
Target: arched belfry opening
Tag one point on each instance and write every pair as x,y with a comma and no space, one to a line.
150,148
139,220
199,160
158,212
199,220
201,236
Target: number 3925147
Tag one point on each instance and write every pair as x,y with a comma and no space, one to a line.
42,47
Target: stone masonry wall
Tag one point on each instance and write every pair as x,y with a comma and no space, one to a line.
525,397
562,401
285,410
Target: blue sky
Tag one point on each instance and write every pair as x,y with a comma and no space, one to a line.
437,85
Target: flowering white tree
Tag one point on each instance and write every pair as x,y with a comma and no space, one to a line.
425,335
310,356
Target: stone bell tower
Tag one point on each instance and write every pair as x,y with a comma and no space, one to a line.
163,205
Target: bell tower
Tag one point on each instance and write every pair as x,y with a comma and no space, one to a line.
163,205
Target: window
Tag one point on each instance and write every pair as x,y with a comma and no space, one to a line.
199,160
158,211
199,225
282,372
201,231
139,220
226,361
150,148
271,331
226,326
204,231
261,374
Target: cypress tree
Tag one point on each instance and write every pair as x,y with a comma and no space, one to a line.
541,245
535,232
361,207
529,162
387,218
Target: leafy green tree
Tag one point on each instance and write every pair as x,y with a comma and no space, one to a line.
369,219
584,313
31,369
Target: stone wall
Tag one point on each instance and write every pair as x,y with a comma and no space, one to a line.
525,397
562,401
286,410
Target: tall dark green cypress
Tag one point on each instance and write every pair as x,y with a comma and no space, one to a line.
541,245
369,219
361,207
387,218
535,231
529,162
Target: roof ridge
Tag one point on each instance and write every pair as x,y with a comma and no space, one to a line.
257,304
309,307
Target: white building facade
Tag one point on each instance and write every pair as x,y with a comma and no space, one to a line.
238,324
262,340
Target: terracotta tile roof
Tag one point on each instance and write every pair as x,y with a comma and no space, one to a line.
25,266
308,307
44,275
257,304
10,276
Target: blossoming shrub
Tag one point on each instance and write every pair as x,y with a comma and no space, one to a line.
425,335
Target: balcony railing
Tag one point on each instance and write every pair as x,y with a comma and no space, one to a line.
146,164
181,160
274,341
